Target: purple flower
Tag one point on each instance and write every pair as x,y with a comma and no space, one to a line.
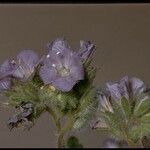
21,68
25,64
58,45
105,104
86,49
126,87
5,84
62,67
24,116
6,70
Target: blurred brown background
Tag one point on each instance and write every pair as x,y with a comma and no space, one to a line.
120,31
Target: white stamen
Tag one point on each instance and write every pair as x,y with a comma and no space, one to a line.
41,87
48,56
13,61
53,65
58,53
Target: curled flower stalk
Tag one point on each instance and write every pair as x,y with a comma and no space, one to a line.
124,110
60,83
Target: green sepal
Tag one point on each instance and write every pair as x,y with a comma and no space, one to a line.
137,132
126,108
142,107
22,92
86,109
90,73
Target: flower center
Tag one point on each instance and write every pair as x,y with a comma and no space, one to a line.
64,71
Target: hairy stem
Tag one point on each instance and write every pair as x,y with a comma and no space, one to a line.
60,142
61,130
55,119
68,126
131,143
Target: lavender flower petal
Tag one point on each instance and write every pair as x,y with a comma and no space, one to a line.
64,84
26,62
73,62
86,49
114,90
104,102
137,85
7,68
77,73
5,84
48,74
58,45
126,87
29,57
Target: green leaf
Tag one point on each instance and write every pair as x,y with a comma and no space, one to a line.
111,120
145,118
39,109
23,92
137,132
86,109
73,142
115,125
126,108
90,73
119,111
142,107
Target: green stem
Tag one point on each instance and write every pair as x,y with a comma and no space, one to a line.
58,125
131,143
55,119
68,126
60,142
61,131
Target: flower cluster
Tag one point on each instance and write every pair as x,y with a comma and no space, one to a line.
62,67
129,88
124,109
50,82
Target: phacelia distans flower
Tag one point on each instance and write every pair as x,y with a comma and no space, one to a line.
6,70
25,64
86,49
126,87
129,88
23,116
62,67
5,84
104,100
22,68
